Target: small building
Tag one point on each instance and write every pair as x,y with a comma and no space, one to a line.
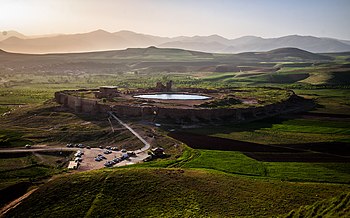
73,165
158,151
107,92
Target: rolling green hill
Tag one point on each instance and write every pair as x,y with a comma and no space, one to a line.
135,192
168,193
287,54
126,59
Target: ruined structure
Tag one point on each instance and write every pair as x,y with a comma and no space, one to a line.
107,92
160,87
164,88
177,111
169,85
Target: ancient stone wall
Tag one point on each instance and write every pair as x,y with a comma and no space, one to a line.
92,106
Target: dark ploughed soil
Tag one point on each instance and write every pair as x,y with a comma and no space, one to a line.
215,143
310,152
337,148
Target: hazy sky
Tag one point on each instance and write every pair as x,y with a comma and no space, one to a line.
229,18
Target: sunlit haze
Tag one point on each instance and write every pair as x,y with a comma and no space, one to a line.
231,19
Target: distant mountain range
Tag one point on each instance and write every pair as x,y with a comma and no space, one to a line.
101,40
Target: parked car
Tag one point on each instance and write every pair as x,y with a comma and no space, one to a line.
131,154
78,159
98,158
101,156
123,150
107,152
125,156
88,147
28,146
108,164
69,145
117,160
100,146
79,153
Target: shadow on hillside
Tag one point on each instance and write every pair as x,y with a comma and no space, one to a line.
307,152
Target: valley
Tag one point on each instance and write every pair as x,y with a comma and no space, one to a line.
282,162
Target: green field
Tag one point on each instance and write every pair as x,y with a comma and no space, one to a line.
284,130
335,101
169,193
189,183
234,162
20,171
31,166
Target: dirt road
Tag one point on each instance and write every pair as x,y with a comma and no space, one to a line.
147,145
15,203
36,149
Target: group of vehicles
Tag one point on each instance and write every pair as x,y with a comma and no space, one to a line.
100,157
71,145
125,155
112,148
78,156
116,160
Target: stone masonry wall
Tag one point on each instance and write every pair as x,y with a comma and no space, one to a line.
91,106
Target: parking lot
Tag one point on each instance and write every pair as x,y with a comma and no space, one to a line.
89,163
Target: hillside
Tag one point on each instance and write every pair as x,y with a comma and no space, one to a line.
335,207
173,54
101,40
291,54
153,59
167,193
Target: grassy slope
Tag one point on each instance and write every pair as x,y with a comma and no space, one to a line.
283,131
335,207
334,101
42,124
237,163
168,193
16,167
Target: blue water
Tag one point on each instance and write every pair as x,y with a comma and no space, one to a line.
173,96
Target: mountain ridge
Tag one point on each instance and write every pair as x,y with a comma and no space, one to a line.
101,40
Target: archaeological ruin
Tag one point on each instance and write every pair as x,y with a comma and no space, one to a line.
235,105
